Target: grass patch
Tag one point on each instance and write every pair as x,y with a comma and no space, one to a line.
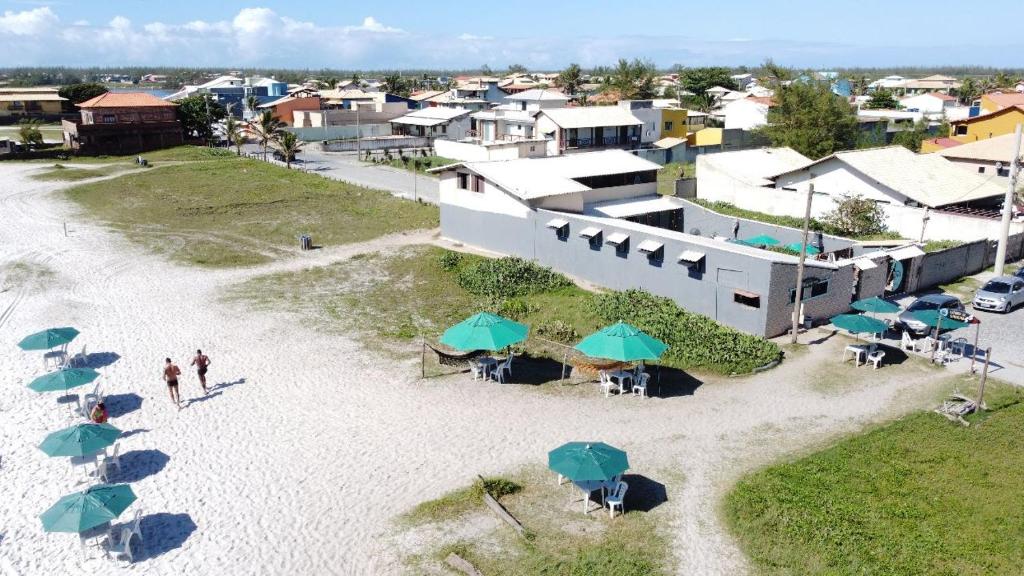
939,245
64,173
669,173
562,540
421,163
919,496
21,274
788,221
454,504
963,288
230,211
423,290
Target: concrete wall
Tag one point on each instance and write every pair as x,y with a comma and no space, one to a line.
941,267
383,143
779,308
473,152
341,132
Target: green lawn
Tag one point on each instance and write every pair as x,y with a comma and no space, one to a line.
560,538
425,162
401,297
671,172
920,496
220,210
50,132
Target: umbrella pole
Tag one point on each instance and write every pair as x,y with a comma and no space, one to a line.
974,350
938,331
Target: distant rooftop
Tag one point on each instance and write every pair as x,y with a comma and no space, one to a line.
537,95
126,100
592,116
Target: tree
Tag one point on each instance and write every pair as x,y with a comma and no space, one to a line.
776,74
699,80
912,139
287,143
78,93
198,113
632,80
969,91
265,129
882,99
810,119
252,104
485,70
570,79
855,216
670,92
234,133
516,69
395,84
29,134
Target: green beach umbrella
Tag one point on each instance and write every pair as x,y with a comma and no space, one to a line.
856,323
81,511
761,240
79,440
875,304
49,338
931,318
582,461
795,247
484,331
622,342
63,380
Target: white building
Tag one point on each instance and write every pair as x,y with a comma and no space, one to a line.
535,100
588,127
747,113
740,177
888,83
742,81
649,115
434,122
931,103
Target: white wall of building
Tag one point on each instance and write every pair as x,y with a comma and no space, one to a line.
835,178
927,103
491,199
473,152
745,114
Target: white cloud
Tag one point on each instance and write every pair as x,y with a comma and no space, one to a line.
80,23
467,37
370,24
34,22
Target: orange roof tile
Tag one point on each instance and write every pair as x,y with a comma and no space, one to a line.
125,100
1005,100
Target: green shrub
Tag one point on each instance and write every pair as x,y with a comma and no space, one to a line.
515,308
694,341
509,277
558,331
450,260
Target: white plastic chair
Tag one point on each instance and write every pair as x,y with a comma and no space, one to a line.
123,547
115,456
641,384
616,498
478,369
80,359
908,343
606,383
136,523
502,367
876,358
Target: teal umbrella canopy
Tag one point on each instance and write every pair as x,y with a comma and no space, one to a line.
855,323
49,338
80,440
64,380
582,461
81,511
760,240
484,331
795,247
622,342
875,304
931,318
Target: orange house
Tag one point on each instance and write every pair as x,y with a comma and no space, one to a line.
283,108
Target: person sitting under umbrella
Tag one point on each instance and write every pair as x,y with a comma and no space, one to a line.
99,413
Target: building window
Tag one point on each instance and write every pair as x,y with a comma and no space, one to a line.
1004,172
109,118
961,130
668,126
745,298
444,128
478,183
981,169
813,288
463,181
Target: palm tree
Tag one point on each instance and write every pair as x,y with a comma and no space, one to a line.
265,129
252,102
570,79
395,84
234,133
288,145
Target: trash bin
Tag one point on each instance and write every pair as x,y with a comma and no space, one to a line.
306,242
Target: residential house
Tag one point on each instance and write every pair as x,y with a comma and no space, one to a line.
996,101
1003,121
284,108
421,99
536,99
30,102
746,113
588,127
234,91
123,123
741,177
743,81
930,103
934,83
990,157
651,118
434,122
887,83
597,216
675,122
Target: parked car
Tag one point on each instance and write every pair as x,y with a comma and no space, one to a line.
906,321
1020,272
1000,294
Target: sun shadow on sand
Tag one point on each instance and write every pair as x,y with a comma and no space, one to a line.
163,532
138,464
534,370
120,404
223,385
101,359
671,382
130,433
644,494
199,399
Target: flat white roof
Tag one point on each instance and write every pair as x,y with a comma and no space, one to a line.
592,116
635,206
431,116
537,95
530,178
754,167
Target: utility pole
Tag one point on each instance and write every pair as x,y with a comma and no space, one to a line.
924,222
798,299
357,131
1008,203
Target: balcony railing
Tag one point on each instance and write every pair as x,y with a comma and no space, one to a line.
600,142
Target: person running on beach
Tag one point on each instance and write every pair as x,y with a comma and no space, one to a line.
201,362
171,373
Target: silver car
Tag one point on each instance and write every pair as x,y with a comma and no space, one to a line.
1000,294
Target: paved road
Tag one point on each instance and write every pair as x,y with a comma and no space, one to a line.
346,167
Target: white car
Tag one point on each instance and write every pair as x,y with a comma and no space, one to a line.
1000,294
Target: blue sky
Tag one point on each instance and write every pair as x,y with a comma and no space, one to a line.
539,34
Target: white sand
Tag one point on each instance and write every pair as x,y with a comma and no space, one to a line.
300,468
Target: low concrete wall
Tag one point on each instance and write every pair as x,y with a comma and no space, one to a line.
944,266
473,152
341,132
367,144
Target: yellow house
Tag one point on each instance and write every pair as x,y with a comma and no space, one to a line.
987,125
30,101
705,137
673,122
996,101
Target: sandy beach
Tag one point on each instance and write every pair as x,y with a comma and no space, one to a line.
309,445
